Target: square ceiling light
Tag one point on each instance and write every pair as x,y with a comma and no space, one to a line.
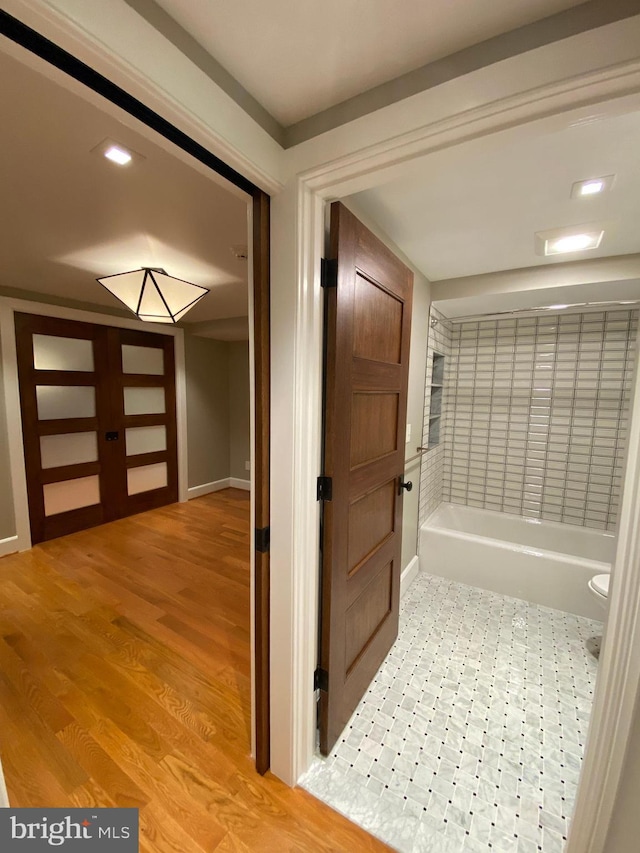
563,241
117,153
591,187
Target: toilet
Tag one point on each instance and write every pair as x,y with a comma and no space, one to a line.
599,586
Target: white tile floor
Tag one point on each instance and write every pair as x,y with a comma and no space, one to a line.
470,738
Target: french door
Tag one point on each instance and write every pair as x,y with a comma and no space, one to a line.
98,420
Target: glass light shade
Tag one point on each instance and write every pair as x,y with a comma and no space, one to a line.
153,295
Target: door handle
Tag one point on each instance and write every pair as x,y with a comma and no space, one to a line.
112,436
402,484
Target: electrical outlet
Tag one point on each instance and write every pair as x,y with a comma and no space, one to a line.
247,466
408,438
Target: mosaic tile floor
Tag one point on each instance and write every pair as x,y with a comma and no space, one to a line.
470,738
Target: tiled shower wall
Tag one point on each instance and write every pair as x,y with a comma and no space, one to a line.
537,417
433,462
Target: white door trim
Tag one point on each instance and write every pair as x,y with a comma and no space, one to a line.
619,676
8,307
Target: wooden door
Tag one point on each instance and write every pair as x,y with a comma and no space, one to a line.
98,421
368,327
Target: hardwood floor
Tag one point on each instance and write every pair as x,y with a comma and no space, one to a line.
125,681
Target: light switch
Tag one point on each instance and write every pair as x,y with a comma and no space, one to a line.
408,438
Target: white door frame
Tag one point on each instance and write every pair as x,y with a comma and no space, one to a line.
619,677
8,307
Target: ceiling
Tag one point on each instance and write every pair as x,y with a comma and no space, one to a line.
475,208
331,51
69,215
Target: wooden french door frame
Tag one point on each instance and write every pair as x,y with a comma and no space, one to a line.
42,47
109,423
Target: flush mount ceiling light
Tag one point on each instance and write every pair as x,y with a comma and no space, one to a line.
562,241
573,243
118,155
116,152
591,187
153,295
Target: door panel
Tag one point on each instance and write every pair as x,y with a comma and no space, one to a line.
146,477
371,520
71,448
65,401
377,322
147,360
66,495
83,429
144,401
374,426
368,323
56,353
145,439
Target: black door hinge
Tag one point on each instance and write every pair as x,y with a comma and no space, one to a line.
262,539
324,489
329,272
321,679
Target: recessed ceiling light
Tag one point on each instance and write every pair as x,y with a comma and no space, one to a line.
561,241
573,243
118,155
591,187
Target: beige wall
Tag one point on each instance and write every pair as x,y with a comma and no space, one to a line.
207,374
7,521
239,416
624,831
217,379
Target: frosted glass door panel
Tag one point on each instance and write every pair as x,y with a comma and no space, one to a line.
144,401
71,448
54,353
146,478
148,360
71,494
145,440
65,401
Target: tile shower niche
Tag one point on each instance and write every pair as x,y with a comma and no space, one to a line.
435,402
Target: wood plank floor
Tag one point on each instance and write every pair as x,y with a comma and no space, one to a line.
124,681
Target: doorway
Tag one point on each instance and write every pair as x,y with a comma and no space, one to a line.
252,255
99,422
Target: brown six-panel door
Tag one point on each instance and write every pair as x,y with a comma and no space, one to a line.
367,333
98,421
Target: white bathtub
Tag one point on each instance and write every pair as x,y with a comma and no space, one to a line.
539,561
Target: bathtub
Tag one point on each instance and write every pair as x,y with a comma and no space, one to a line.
539,561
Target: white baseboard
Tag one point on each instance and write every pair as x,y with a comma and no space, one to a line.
240,484
409,575
216,486
207,488
4,797
9,546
